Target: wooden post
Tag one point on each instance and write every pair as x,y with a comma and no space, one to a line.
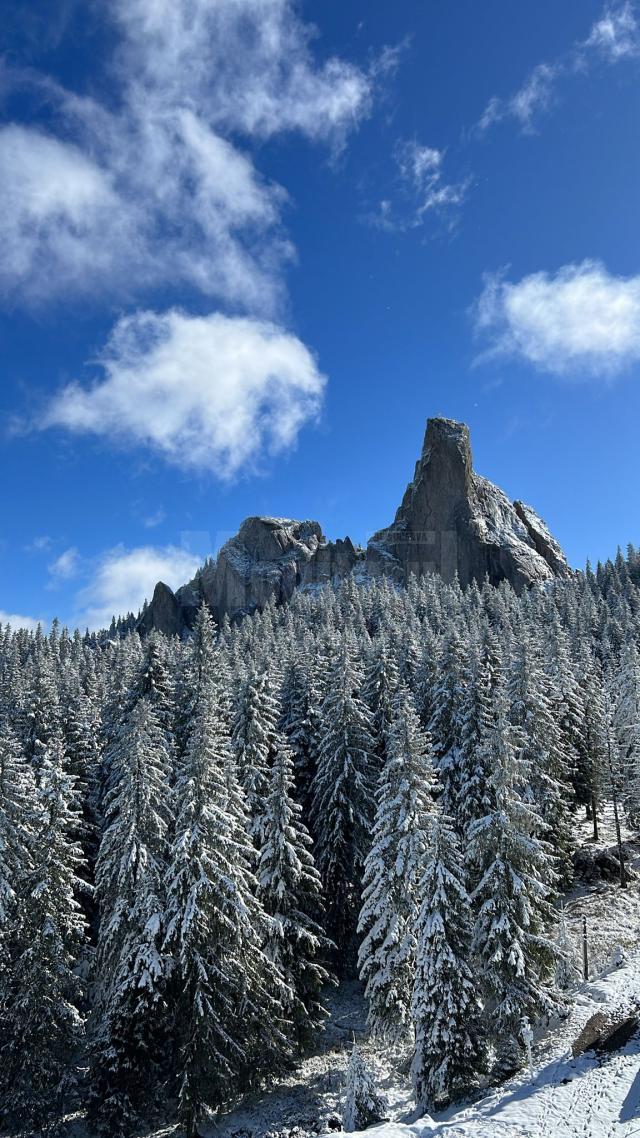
585,950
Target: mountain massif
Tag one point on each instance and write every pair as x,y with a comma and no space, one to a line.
451,521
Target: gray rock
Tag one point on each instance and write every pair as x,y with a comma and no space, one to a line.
164,614
452,520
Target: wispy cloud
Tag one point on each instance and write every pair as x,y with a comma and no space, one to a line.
615,36
208,392
40,544
580,321
536,95
423,190
16,621
65,567
123,578
154,519
163,189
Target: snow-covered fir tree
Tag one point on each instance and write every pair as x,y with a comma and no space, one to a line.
300,723
255,732
129,1022
393,867
343,799
446,724
290,889
541,743
215,926
41,994
626,726
364,1104
449,1051
19,824
513,896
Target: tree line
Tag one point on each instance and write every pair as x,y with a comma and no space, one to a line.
197,836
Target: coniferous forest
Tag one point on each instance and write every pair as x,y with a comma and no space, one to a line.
198,837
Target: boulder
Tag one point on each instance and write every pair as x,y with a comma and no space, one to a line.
606,1031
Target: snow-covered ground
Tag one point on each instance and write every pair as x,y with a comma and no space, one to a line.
588,1097
567,1098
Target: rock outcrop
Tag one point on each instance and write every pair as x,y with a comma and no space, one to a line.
268,558
451,521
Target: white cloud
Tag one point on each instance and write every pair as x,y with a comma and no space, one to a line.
535,96
581,320
154,519
124,578
56,202
28,622
160,191
39,544
207,392
66,566
247,64
614,37
424,189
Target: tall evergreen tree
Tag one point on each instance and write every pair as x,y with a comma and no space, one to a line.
342,805
447,720
626,725
392,873
255,732
289,887
216,928
129,1023
40,1020
513,896
445,1008
541,743
301,724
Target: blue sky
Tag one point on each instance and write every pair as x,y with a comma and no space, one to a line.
248,247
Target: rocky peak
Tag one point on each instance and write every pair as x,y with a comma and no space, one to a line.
451,521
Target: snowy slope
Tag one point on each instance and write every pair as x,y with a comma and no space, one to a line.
582,1098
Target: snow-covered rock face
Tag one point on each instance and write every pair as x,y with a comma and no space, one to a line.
268,558
450,521
453,521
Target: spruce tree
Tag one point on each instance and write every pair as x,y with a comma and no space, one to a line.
379,688
626,725
446,722
392,873
300,724
41,1024
254,738
445,1008
215,926
290,890
542,748
513,896
342,801
364,1104
19,823
129,1026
